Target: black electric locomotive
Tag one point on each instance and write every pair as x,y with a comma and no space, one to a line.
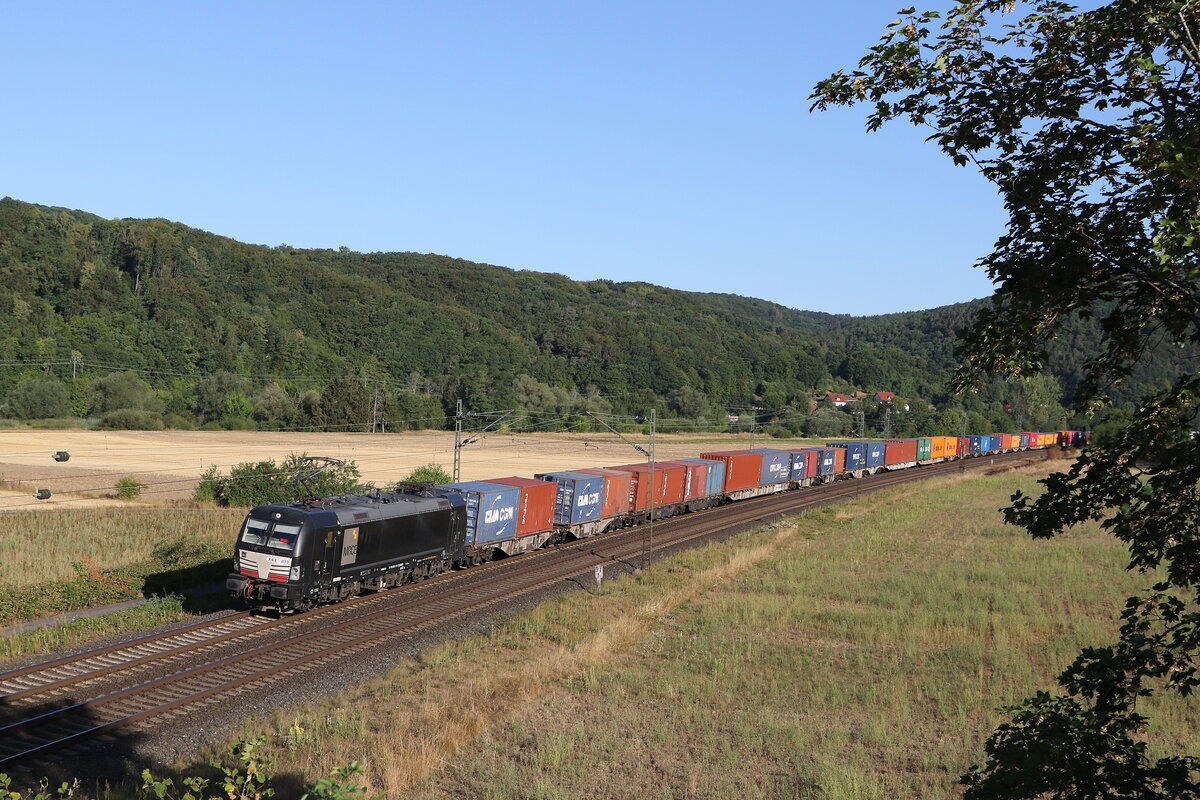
295,556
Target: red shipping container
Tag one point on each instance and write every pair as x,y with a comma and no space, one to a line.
839,460
899,451
669,477
695,478
535,508
743,469
616,490
964,446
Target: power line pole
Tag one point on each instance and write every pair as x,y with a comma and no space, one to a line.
375,410
648,549
458,415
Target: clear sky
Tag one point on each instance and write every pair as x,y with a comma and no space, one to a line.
668,142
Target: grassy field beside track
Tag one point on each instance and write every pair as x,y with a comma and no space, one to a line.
857,652
56,561
43,546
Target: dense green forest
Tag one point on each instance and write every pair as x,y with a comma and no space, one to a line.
146,323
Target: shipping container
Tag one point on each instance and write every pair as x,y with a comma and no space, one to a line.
937,447
1012,441
839,460
743,469
899,451
669,479
615,499
1034,440
535,511
964,446
695,477
776,465
821,460
856,454
924,448
579,497
491,510
804,464
874,453
976,444
1024,440
714,482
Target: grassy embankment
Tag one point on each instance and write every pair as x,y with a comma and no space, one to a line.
857,653
53,561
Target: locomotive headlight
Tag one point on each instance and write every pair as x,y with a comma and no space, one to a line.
295,573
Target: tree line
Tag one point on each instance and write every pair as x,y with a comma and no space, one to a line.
149,323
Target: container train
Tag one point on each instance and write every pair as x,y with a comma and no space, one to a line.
291,557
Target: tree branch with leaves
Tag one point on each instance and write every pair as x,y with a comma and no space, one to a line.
1088,124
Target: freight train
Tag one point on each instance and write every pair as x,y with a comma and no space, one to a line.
296,556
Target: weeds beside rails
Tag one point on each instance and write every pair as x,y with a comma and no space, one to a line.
172,567
42,546
248,778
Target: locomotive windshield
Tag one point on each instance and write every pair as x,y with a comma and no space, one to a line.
274,536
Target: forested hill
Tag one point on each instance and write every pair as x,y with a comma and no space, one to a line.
179,306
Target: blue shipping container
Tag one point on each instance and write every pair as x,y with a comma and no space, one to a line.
715,481
800,463
856,454
1024,440
825,460
776,465
580,496
976,444
874,453
491,510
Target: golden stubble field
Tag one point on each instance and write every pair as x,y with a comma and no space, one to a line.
170,462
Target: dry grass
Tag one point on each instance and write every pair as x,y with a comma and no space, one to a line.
170,462
38,547
859,653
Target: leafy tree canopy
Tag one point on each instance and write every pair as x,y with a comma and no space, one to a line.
38,398
1087,123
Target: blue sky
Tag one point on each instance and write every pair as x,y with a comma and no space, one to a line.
664,142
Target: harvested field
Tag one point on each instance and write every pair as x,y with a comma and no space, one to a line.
170,462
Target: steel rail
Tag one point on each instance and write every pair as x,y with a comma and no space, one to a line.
520,578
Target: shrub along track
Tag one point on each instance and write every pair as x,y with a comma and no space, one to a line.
57,707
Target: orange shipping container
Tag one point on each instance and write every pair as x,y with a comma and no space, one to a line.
743,469
669,478
899,451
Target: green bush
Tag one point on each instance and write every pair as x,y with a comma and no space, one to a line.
132,419
255,484
428,473
38,398
129,488
176,422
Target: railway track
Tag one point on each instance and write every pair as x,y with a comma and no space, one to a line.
61,704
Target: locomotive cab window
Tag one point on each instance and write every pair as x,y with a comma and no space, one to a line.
283,537
255,531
